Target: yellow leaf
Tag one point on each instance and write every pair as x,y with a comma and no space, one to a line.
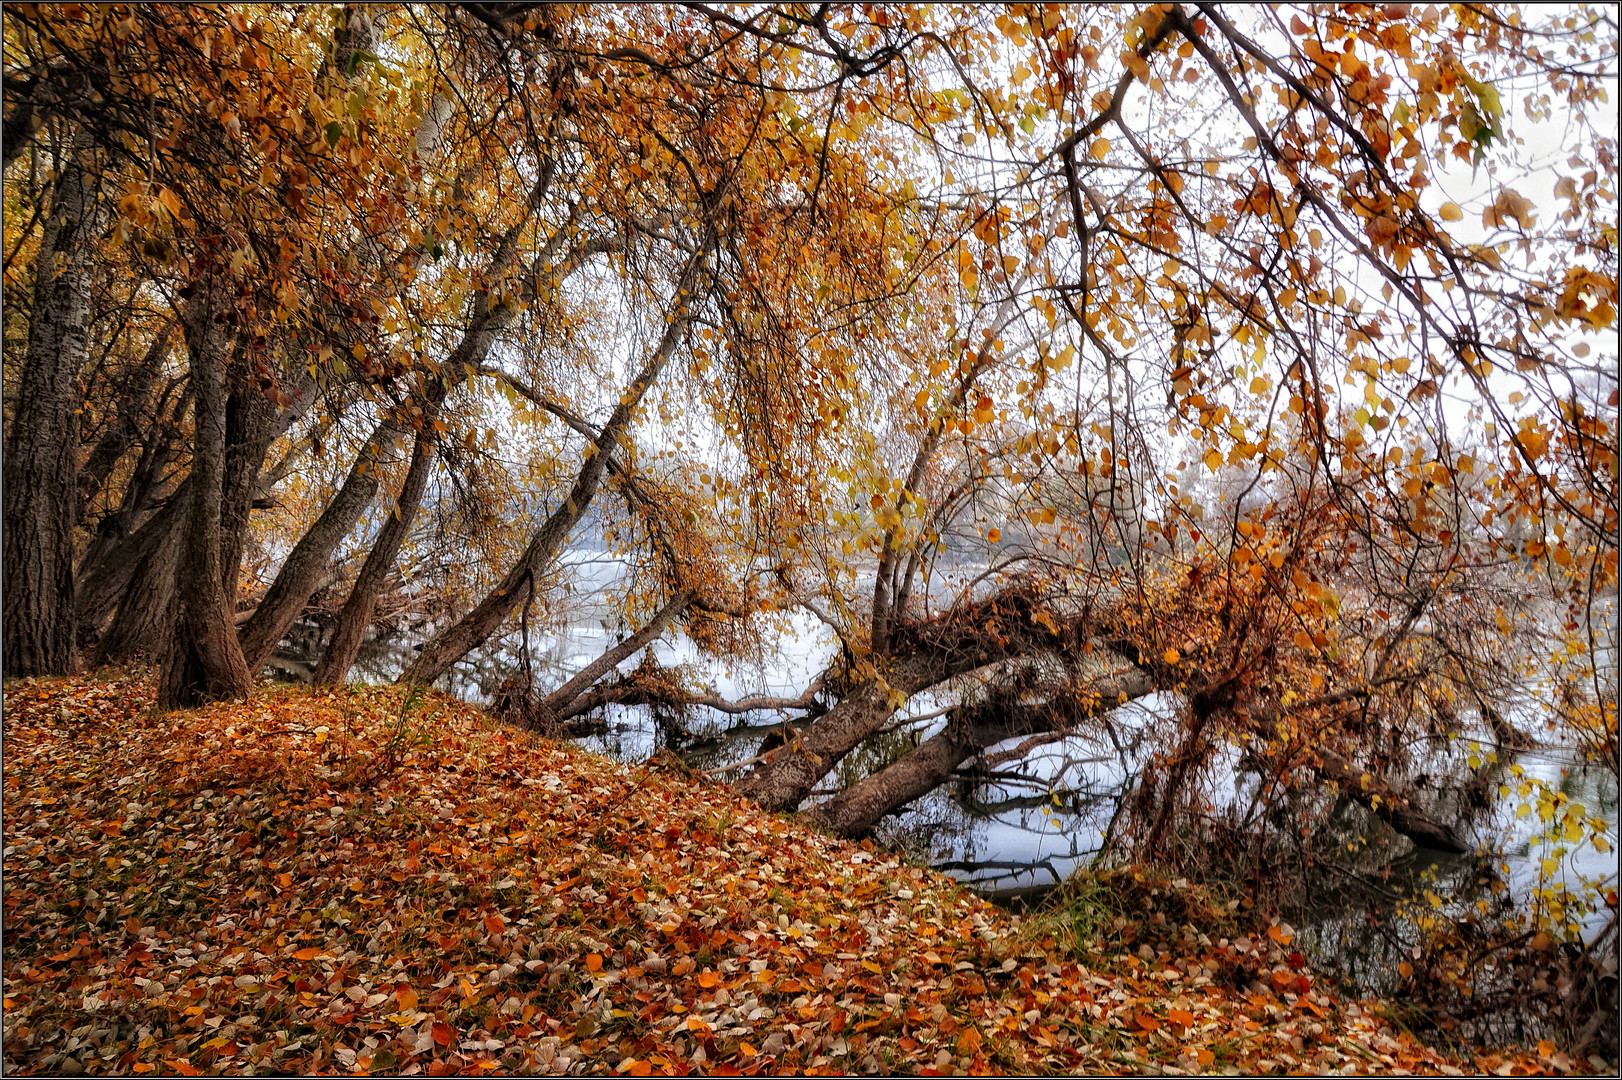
1451,212
1099,148
1172,656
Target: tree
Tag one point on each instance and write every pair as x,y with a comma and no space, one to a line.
1052,357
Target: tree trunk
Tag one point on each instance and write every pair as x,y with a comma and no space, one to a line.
457,641
561,698
41,456
250,428
854,811
205,662
998,628
1390,806
141,627
356,615
104,580
306,566
133,394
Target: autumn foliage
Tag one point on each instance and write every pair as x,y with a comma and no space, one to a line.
325,882
1249,367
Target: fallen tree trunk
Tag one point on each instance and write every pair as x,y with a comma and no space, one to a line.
555,703
854,811
1000,628
1389,805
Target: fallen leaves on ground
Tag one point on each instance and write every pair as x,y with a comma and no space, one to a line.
343,881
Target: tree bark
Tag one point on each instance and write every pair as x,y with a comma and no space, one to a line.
356,615
133,394
457,641
250,428
41,457
1390,806
141,627
205,662
304,569
104,580
561,698
992,630
854,811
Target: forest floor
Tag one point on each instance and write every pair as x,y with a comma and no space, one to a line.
364,881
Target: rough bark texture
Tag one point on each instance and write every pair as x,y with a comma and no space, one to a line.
204,662
104,580
250,428
455,642
854,811
41,454
927,654
306,565
356,615
141,627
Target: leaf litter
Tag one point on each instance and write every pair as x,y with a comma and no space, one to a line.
365,881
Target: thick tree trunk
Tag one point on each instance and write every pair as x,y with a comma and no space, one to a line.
41,456
205,662
990,631
104,581
457,641
1390,806
854,811
141,628
250,428
356,615
306,565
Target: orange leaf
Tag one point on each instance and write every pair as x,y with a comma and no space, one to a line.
141,1067
1281,933
307,954
285,880
496,925
184,1068
406,996
442,1032
1181,1016
708,979
594,962
640,1068
1146,1022
747,1049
